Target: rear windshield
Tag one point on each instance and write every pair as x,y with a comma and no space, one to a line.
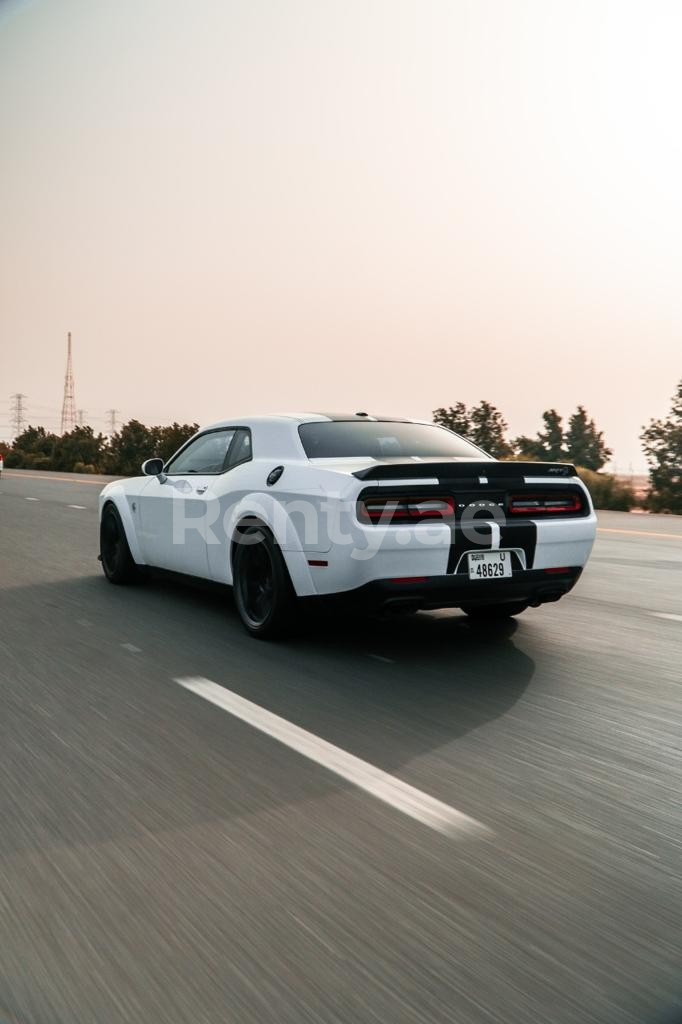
383,440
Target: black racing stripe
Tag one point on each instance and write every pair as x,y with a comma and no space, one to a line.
520,535
460,544
514,535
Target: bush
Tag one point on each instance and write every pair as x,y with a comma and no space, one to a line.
34,460
82,451
608,492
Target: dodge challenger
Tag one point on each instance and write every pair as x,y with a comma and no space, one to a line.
387,513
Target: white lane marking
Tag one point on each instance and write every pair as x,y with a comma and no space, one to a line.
77,506
380,657
666,615
373,780
132,648
31,499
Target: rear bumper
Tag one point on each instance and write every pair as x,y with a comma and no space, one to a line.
372,554
536,586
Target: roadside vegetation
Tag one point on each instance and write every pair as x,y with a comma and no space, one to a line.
83,451
662,443
608,491
578,441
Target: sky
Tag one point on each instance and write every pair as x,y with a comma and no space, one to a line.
390,205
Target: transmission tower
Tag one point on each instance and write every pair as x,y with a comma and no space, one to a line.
69,403
18,413
111,413
80,417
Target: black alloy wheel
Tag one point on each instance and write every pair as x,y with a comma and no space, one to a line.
263,592
117,561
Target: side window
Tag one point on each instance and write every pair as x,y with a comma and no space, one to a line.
241,448
205,454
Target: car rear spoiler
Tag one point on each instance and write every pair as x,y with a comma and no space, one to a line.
491,470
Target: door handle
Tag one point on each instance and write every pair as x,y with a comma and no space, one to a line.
202,490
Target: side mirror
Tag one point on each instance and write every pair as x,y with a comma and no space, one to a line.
152,467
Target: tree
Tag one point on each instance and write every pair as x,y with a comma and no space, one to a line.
585,445
454,418
79,450
483,424
129,447
548,446
662,443
82,451
33,448
488,428
528,448
135,443
552,437
169,439
35,440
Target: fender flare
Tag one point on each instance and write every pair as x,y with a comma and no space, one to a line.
118,498
265,508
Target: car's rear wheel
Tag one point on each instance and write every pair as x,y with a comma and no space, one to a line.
494,612
263,592
118,563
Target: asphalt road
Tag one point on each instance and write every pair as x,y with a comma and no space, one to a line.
164,861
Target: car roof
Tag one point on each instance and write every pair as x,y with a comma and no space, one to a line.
277,435
307,417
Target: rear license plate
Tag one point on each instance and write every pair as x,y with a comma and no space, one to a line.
489,565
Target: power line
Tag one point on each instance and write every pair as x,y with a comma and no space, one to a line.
18,413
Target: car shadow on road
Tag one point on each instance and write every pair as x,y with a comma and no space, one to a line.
415,681
436,676
440,666
388,692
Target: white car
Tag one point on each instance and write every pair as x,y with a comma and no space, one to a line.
395,514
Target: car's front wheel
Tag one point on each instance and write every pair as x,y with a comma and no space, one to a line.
118,563
263,593
494,612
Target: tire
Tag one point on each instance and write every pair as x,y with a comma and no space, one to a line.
263,592
494,612
117,561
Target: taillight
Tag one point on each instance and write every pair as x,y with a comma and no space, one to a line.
410,509
544,504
